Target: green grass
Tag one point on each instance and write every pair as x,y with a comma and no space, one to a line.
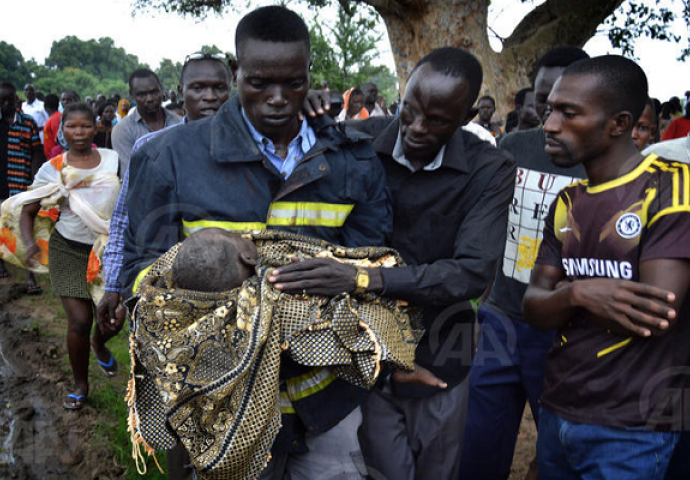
108,397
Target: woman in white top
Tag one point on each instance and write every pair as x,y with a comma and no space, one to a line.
89,185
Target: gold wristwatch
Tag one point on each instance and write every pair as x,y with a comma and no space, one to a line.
361,281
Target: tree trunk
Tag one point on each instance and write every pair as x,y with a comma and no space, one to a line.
415,27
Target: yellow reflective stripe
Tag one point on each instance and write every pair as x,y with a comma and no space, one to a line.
310,383
190,227
606,351
286,404
314,214
564,338
139,278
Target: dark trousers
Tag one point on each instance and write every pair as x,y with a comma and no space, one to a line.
178,465
414,438
507,371
679,467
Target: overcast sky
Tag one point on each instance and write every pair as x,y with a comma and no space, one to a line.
157,35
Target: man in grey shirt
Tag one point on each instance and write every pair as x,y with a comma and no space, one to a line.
149,116
677,149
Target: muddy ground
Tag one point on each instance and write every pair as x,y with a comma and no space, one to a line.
38,438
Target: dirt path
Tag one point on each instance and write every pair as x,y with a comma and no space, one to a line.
38,438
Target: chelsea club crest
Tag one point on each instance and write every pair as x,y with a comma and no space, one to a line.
628,225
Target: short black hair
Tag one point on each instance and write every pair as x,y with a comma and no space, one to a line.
356,91
142,73
487,97
456,62
207,58
8,86
51,101
624,82
562,56
271,24
101,107
652,104
73,93
520,96
207,261
81,107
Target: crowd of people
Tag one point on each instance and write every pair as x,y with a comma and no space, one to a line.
564,225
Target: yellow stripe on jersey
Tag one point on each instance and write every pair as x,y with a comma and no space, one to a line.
650,195
295,214
190,227
560,220
686,182
627,178
675,180
668,211
680,203
618,345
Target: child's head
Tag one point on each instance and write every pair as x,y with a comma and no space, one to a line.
214,260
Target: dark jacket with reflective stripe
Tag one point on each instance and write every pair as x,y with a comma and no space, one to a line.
212,171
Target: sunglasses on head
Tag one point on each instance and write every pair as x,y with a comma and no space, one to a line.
222,57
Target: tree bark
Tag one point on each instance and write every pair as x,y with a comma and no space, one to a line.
415,27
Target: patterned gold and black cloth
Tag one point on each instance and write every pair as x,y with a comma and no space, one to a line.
205,365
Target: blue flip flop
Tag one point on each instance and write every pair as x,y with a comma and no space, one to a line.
77,402
109,367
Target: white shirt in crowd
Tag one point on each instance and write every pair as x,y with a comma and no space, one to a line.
37,112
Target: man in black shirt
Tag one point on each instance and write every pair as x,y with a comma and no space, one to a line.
450,194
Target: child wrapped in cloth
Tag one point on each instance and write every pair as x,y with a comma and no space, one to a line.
210,330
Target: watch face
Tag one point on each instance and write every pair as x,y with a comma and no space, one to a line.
362,279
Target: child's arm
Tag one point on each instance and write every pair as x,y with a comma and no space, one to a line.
26,226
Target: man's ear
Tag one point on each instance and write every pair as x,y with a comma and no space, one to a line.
234,67
621,123
179,93
470,115
248,259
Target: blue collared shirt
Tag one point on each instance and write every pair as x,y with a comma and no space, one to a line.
119,220
301,144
